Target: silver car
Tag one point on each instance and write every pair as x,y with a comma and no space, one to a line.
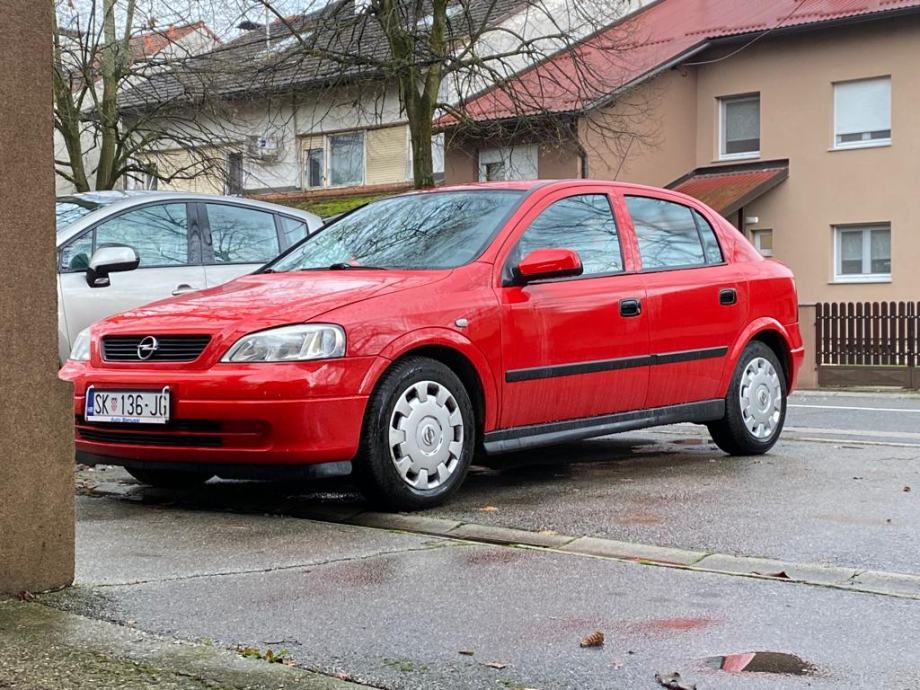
120,250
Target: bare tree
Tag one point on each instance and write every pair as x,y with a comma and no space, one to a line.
439,54
101,50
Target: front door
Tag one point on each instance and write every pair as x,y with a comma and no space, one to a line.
697,304
573,347
169,250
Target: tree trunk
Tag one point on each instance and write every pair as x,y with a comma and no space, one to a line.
420,134
67,115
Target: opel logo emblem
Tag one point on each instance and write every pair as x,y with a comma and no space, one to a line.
147,347
429,435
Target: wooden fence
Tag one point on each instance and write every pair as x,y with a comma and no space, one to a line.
867,343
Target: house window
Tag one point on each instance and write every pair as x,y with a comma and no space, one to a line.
346,159
313,168
862,113
862,253
508,163
740,127
763,241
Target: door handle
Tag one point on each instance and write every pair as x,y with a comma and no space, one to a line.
630,307
182,288
728,296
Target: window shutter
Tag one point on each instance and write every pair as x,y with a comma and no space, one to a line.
863,106
387,154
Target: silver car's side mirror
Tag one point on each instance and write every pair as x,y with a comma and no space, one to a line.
110,259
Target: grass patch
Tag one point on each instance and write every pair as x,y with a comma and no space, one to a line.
332,207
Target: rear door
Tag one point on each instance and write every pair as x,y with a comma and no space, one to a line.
237,240
165,237
573,347
696,302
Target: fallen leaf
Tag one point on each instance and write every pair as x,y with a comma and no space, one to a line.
674,681
496,665
781,575
25,595
488,509
906,489
595,639
466,652
341,675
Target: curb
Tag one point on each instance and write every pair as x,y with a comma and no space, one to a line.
901,585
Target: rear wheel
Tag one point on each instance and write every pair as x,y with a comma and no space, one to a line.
418,437
755,407
169,479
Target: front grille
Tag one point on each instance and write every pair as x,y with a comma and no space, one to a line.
188,433
170,348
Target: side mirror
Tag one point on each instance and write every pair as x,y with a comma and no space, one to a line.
548,263
110,259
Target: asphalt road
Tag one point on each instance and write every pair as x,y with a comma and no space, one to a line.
396,609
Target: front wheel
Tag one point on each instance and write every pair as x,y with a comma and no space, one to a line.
418,437
755,407
169,479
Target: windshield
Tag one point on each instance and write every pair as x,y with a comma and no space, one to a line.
419,231
69,209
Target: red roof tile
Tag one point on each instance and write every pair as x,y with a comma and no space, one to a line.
728,190
660,33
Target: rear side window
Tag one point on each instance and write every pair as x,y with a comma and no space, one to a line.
671,235
292,230
242,235
584,223
710,243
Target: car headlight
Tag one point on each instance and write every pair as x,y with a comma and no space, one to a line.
80,350
289,344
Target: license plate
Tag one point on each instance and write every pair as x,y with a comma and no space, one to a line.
127,406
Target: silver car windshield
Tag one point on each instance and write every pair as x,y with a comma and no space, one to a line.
70,209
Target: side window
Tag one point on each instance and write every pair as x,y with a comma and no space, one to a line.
159,234
292,231
76,255
711,247
667,233
242,235
584,223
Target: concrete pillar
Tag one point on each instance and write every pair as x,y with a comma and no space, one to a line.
36,422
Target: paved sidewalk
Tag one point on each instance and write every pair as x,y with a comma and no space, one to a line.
46,649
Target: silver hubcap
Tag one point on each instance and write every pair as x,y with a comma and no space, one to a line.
761,397
426,435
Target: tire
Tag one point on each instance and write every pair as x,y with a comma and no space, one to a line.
418,436
755,406
169,479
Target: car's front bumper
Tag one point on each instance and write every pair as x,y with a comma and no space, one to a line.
259,414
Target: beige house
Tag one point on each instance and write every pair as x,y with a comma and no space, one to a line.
802,133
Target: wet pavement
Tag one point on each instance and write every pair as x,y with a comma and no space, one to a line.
396,609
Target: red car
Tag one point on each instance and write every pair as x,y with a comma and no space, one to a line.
418,330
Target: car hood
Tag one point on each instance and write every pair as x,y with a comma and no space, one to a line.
265,300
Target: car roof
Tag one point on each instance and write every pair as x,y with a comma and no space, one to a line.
113,201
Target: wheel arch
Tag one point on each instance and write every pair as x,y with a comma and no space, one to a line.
457,353
772,334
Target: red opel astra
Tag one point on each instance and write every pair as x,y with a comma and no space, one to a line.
416,331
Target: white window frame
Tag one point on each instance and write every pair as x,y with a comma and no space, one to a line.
868,143
867,277
756,236
723,101
327,150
